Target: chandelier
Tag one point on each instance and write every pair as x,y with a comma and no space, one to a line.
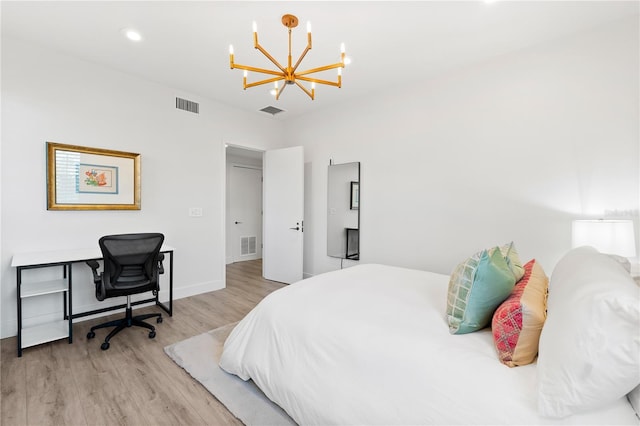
289,73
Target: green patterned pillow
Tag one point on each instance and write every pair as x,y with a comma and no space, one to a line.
476,288
513,260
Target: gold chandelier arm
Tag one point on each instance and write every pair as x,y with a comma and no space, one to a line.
324,68
304,53
304,89
261,82
325,82
301,58
264,52
254,69
271,58
280,90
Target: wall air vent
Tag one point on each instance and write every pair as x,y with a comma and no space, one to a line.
248,245
187,105
272,110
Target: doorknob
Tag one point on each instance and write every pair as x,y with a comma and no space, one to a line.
236,222
297,228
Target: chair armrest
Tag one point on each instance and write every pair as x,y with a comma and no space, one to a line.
160,265
97,279
94,265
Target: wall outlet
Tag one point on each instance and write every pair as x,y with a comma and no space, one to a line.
195,211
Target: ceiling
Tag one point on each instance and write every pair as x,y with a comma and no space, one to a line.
185,43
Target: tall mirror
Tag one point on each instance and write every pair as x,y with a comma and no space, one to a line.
343,211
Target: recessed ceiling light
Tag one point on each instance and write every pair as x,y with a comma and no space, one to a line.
132,35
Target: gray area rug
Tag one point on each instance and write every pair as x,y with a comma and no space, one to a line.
199,356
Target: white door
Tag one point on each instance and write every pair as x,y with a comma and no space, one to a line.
245,212
283,214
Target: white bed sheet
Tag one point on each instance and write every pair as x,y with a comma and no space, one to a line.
369,345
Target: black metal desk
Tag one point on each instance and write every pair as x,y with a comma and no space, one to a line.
66,258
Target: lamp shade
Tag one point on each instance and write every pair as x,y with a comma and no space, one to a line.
607,236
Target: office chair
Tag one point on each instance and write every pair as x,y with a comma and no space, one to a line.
132,263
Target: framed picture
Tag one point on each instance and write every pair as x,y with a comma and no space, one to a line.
82,178
355,195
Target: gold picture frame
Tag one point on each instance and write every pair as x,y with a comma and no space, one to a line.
83,178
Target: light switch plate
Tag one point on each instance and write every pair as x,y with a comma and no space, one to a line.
195,211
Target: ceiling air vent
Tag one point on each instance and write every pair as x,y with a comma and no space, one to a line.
187,105
272,110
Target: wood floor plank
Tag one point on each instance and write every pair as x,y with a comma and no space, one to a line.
134,382
104,396
52,397
13,373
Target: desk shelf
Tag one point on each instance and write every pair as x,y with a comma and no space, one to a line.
44,287
54,330
43,333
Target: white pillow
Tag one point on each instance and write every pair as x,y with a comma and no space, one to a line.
589,353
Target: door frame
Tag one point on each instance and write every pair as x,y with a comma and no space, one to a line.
223,224
252,167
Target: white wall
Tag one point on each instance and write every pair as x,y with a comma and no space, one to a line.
512,149
48,96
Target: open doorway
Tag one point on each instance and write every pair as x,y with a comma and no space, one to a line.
278,236
244,231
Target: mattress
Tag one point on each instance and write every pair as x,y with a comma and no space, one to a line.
370,345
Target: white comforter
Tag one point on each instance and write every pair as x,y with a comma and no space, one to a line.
369,345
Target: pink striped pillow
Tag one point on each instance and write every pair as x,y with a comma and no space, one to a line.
517,322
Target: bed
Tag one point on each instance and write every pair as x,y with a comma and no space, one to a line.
371,345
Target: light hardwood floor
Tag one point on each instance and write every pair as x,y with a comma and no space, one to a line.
134,382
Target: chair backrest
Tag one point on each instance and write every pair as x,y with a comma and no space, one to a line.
130,262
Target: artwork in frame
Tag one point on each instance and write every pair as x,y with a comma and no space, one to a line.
83,178
355,195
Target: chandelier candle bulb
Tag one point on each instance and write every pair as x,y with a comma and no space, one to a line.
255,35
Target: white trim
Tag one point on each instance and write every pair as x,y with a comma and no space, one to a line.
223,223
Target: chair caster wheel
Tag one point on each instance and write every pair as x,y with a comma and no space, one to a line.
104,346
152,334
91,335
159,320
